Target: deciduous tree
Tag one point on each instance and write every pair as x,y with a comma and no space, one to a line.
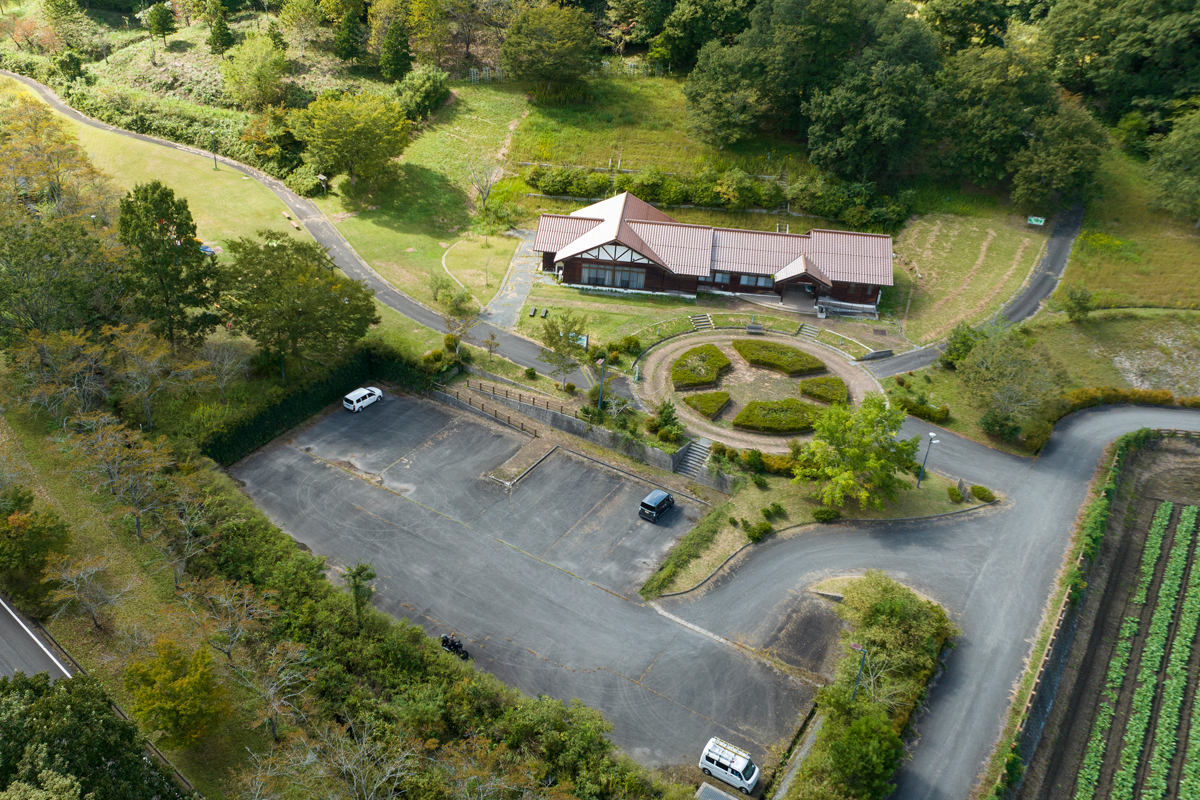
81,583
1175,168
550,44
60,373
1059,164
279,678
353,134
562,336
1076,301
866,757
854,453
228,361
28,537
173,283
176,693
227,611
291,299
1005,374
189,528
724,100
302,19
253,72
143,366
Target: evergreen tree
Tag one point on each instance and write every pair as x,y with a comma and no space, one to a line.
160,21
348,40
276,37
221,38
395,59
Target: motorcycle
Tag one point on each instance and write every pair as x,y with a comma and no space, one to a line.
454,647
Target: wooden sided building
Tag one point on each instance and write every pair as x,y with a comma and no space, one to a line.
626,244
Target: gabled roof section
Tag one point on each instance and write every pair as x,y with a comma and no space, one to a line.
685,249
852,257
556,231
801,266
614,214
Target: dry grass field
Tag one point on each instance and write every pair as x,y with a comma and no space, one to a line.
960,269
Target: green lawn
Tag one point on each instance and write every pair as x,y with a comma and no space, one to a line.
1129,255
480,263
149,610
403,229
954,268
640,122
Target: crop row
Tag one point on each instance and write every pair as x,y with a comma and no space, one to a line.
1190,786
1093,757
1154,539
1175,684
1152,656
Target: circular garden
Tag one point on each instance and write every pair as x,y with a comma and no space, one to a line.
758,385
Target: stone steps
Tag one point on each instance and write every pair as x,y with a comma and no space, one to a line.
808,331
702,322
695,458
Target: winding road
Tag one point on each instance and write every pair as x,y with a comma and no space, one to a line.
993,569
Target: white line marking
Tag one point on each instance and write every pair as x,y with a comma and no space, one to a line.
12,614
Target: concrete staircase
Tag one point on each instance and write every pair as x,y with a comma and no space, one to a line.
808,331
702,322
694,458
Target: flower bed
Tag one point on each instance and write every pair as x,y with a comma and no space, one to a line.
777,416
780,357
700,366
827,388
708,403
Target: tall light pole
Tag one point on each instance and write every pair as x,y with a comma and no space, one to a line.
932,442
861,662
214,147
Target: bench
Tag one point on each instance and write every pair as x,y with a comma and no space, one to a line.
533,312
545,311
754,327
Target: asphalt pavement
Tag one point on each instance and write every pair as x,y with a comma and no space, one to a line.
21,650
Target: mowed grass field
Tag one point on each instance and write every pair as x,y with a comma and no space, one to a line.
224,203
954,268
1129,255
403,229
479,263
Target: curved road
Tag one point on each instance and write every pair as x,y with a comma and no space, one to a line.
993,569
1040,286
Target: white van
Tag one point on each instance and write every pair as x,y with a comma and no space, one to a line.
731,764
361,398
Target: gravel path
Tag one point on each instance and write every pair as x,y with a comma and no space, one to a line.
657,384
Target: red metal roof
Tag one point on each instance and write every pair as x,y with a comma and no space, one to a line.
699,250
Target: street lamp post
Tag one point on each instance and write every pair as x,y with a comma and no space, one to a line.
322,179
932,442
93,221
861,662
214,147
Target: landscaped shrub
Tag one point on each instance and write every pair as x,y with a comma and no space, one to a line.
781,357
935,414
776,416
779,464
1001,426
983,494
772,511
759,531
954,493
825,514
569,388
422,91
699,366
760,480
708,403
531,373
631,345
1036,436
303,181
828,388
752,459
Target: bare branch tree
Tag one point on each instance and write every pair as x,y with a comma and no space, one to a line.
129,465
78,584
189,527
144,365
226,610
279,679
59,373
227,361
484,172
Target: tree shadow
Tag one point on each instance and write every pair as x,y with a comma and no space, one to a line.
179,46
411,199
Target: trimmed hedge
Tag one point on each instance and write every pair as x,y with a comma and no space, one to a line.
935,414
285,408
777,416
983,494
829,388
708,403
780,357
1038,433
700,366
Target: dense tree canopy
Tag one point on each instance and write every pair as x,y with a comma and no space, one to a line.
550,44
1175,168
253,72
353,134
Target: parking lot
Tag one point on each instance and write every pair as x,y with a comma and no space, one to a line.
539,580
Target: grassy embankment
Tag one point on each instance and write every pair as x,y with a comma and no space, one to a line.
1134,348
148,611
1129,255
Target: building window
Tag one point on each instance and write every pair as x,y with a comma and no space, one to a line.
746,280
720,277
616,277
757,280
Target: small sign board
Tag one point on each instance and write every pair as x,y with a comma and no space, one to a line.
580,339
1036,221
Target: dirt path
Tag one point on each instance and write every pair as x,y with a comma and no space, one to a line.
657,384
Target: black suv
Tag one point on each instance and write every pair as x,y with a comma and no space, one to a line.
655,505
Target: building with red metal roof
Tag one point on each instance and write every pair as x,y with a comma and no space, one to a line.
624,243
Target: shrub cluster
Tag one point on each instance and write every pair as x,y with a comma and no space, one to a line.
983,494
777,416
700,366
936,414
828,388
826,514
690,547
422,91
1038,432
708,403
780,357
762,462
759,531
954,494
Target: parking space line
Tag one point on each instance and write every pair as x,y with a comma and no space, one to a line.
581,519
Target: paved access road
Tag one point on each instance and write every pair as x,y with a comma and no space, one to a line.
1040,286
20,648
